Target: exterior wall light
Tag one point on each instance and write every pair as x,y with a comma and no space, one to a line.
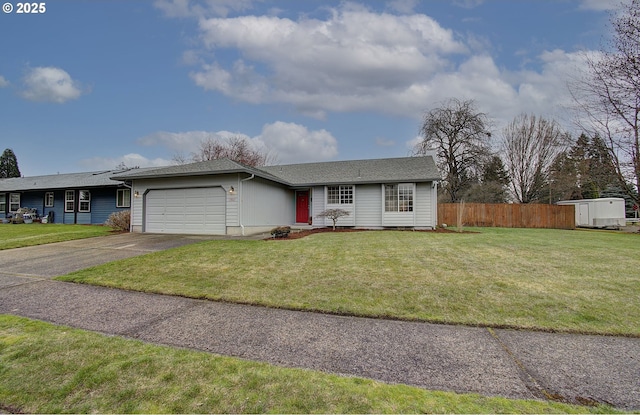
232,191
136,194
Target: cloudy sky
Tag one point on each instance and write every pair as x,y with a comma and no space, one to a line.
89,84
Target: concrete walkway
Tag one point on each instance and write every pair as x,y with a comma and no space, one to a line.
515,364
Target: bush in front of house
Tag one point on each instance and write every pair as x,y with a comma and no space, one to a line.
119,221
334,215
281,231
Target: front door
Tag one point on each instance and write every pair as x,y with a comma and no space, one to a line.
302,207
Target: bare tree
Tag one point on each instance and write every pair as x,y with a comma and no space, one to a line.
334,215
458,133
530,145
608,96
235,148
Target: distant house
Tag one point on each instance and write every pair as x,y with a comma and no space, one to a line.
223,197
82,198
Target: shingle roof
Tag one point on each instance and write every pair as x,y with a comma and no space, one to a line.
59,181
218,166
414,169
411,169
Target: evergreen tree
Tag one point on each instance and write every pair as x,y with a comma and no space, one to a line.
593,167
9,164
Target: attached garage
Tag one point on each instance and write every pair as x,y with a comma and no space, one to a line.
194,210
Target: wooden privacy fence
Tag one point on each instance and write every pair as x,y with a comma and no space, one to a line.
508,215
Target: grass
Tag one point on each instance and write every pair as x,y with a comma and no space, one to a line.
571,281
18,236
52,369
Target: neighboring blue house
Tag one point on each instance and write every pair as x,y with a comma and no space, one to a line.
80,198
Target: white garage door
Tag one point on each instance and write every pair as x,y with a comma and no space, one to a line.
189,211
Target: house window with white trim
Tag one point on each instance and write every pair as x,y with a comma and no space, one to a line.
123,198
84,201
14,202
3,202
340,195
48,199
69,200
398,197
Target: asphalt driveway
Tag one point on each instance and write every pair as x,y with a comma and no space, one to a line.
510,363
60,258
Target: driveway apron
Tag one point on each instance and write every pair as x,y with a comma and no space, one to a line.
515,364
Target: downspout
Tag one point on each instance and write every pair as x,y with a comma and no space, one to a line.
241,199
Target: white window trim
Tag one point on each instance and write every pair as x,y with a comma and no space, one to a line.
3,202
342,190
82,201
397,197
11,202
47,202
67,200
126,201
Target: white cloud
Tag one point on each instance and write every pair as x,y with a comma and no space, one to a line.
599,5
403,6
191,8
3,82
286,142
356,59
184,143
294,143
50,84
129,160
351,61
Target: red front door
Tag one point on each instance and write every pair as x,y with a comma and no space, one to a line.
302,207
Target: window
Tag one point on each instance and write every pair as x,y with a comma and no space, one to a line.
123,198
69,200
14,202
339,195
398,197
3,202
48,199
84,204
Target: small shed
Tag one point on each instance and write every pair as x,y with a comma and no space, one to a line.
598,213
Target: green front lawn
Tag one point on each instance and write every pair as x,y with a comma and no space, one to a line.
21,235
576,281
51,369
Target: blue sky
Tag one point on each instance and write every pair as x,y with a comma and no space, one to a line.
89,84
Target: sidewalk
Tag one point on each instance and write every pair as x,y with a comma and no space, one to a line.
514,364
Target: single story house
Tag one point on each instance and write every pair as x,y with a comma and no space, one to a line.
82,198
228,198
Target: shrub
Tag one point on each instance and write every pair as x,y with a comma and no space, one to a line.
334,215
119,221
281,231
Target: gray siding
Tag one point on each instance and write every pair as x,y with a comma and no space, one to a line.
369,206
266,204
317,205
224,180
423,206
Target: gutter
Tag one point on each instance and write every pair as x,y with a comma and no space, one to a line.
241,200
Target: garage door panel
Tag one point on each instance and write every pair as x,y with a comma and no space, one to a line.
190,210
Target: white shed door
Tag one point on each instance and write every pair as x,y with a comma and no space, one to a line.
188,211
583,215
